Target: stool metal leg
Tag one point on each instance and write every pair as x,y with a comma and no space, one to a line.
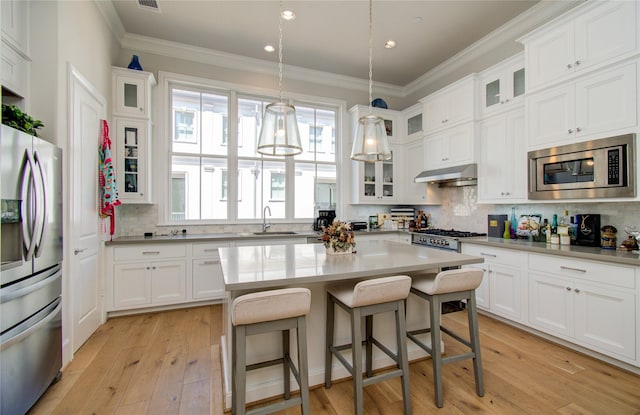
234,357
436,349
328,357
303,365
369,344
403,362
240,370
356,342
474,335
285,364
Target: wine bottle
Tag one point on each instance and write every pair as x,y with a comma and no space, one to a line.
554,224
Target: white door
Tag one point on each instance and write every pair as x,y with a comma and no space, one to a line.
88,107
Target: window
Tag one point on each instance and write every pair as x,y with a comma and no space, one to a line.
216,173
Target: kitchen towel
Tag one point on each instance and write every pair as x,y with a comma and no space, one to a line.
107,181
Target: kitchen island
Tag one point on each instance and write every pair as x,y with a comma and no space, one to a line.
256,268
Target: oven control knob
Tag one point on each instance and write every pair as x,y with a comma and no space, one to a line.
446,243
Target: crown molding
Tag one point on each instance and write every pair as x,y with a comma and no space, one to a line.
231,61
537,15
111,17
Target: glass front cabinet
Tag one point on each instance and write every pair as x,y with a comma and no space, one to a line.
503,85
131,133
375,182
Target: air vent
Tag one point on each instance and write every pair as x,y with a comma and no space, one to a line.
149,5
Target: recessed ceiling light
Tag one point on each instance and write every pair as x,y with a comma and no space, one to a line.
390,44
418,19
269,48
288,15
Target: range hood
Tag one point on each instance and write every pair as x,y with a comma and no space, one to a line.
464,175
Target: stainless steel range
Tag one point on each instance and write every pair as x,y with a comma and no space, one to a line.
441,238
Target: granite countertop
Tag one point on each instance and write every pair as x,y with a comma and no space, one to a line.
225,236
570,251
262,267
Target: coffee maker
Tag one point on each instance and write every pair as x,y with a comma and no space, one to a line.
325,218
588,229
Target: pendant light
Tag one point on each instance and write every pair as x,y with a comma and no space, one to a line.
279,135
370,142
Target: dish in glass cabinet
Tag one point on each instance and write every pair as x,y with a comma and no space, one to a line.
379,103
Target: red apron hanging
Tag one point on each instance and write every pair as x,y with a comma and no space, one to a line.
107,181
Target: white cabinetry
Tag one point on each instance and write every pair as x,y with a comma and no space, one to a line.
14,70
502,291
583,39
206,273
587,302
391,119
412,117
451,147
132,120
450,106
502,86
149,275
378,182
589,107
417,193
502,171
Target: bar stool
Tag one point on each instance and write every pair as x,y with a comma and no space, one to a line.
452,285
266,311
365,299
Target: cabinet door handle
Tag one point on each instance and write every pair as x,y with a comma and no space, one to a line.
577,290
150,252
578,62
210,249
570,131
210,262
490,255
569,66
568,288
148,267
572,269
578,129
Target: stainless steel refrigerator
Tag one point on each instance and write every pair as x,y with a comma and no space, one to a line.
31,273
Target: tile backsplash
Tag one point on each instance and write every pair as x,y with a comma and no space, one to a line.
458,210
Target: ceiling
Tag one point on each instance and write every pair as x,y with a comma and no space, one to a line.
329,36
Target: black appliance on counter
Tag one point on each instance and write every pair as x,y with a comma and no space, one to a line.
325,218
358,225
588,229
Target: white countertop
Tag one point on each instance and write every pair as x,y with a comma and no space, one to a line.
262,267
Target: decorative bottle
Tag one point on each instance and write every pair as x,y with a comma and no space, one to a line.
513,223
554,224
507,230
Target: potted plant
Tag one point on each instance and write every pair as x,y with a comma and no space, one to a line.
15,118
338,238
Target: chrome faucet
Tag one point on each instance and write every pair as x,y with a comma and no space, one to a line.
265,225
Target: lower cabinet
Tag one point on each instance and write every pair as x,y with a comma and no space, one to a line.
206,271
149,283
596,315
501,289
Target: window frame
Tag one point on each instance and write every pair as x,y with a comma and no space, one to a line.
168,80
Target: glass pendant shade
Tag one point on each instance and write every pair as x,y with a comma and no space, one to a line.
370,142
279,135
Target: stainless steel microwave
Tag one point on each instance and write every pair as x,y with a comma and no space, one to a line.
604,168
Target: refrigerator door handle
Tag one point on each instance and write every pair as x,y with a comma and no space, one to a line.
28,186
55,274
41,199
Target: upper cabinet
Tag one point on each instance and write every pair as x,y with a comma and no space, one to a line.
413,164
391,119
378,182
502,86
585,38
600,104
132,93
412,120
132,124
450,106
14,72
451,147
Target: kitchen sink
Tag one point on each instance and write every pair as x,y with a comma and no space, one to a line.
275,233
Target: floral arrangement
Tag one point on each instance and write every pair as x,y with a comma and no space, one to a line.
338,236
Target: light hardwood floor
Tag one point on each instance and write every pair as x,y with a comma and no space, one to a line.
168,363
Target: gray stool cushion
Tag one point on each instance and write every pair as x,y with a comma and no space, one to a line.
450,281
270,305
375,291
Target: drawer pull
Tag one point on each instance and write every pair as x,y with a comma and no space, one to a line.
210,249
577,290
568,288
491,255
210,262
150,252
572,269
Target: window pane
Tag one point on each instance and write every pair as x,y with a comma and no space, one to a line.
317,133
189,169
250,204
178,196
214,113
273,186
250,112
186,123
315,188
214,204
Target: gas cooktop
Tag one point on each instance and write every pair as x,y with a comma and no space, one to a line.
451,233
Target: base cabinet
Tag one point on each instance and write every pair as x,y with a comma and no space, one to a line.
207,277
149,283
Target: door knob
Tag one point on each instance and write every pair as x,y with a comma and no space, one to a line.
79,251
